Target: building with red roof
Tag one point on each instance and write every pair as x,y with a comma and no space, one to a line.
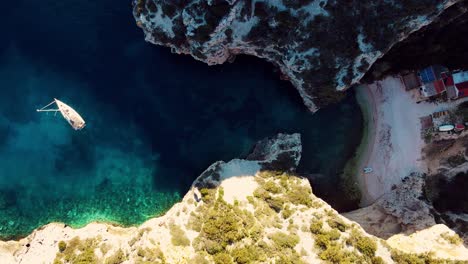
457,85
432,79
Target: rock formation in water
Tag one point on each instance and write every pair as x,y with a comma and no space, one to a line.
241,211
320,45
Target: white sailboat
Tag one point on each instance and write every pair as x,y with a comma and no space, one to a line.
72,117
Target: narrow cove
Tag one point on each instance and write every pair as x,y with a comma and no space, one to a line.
155,120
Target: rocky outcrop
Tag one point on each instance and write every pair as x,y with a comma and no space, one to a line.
418,203
438,43
437,236
320,45
242,213
281,153
402,210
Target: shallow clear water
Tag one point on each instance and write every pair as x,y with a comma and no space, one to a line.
155,120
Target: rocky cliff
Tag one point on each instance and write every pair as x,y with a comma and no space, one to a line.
320,45
423,200
402,210
241,211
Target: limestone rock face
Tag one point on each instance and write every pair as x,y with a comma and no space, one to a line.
403,210
320,45
281,152
438,237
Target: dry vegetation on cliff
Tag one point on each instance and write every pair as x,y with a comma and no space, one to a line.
281,221
235,212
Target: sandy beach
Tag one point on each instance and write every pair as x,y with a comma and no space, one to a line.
393,143
366,102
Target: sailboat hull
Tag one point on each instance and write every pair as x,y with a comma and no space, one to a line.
72,117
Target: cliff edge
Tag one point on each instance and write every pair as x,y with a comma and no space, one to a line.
253,210
319,45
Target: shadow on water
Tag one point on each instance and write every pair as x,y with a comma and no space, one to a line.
155,120
449,198
79,151
451,194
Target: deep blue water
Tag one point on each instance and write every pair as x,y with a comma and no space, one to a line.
155,120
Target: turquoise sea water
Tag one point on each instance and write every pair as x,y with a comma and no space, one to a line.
155,120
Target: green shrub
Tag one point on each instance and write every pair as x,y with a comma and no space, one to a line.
207,195
222,258
62,246
178,236
147,255
246,254
400,257
366,246
316,227
275,203
199,259
271,186
284,181
289,257
221,192
299,194
104,247
284,240
78,251
212,247
256,232
287,212
337,223
377,260
333,234
332,253
335,253
117,258
250,199
221,224
324,239
452,239
195,221
293,228
261,193
404,258
85,257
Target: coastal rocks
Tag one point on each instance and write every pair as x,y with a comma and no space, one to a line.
438,236
445,188
281,152
449,197
320,46
438,43
403,210
247,215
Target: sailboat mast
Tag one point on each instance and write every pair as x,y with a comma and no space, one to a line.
47,110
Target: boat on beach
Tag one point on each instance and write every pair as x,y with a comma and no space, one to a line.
446,128
72,117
